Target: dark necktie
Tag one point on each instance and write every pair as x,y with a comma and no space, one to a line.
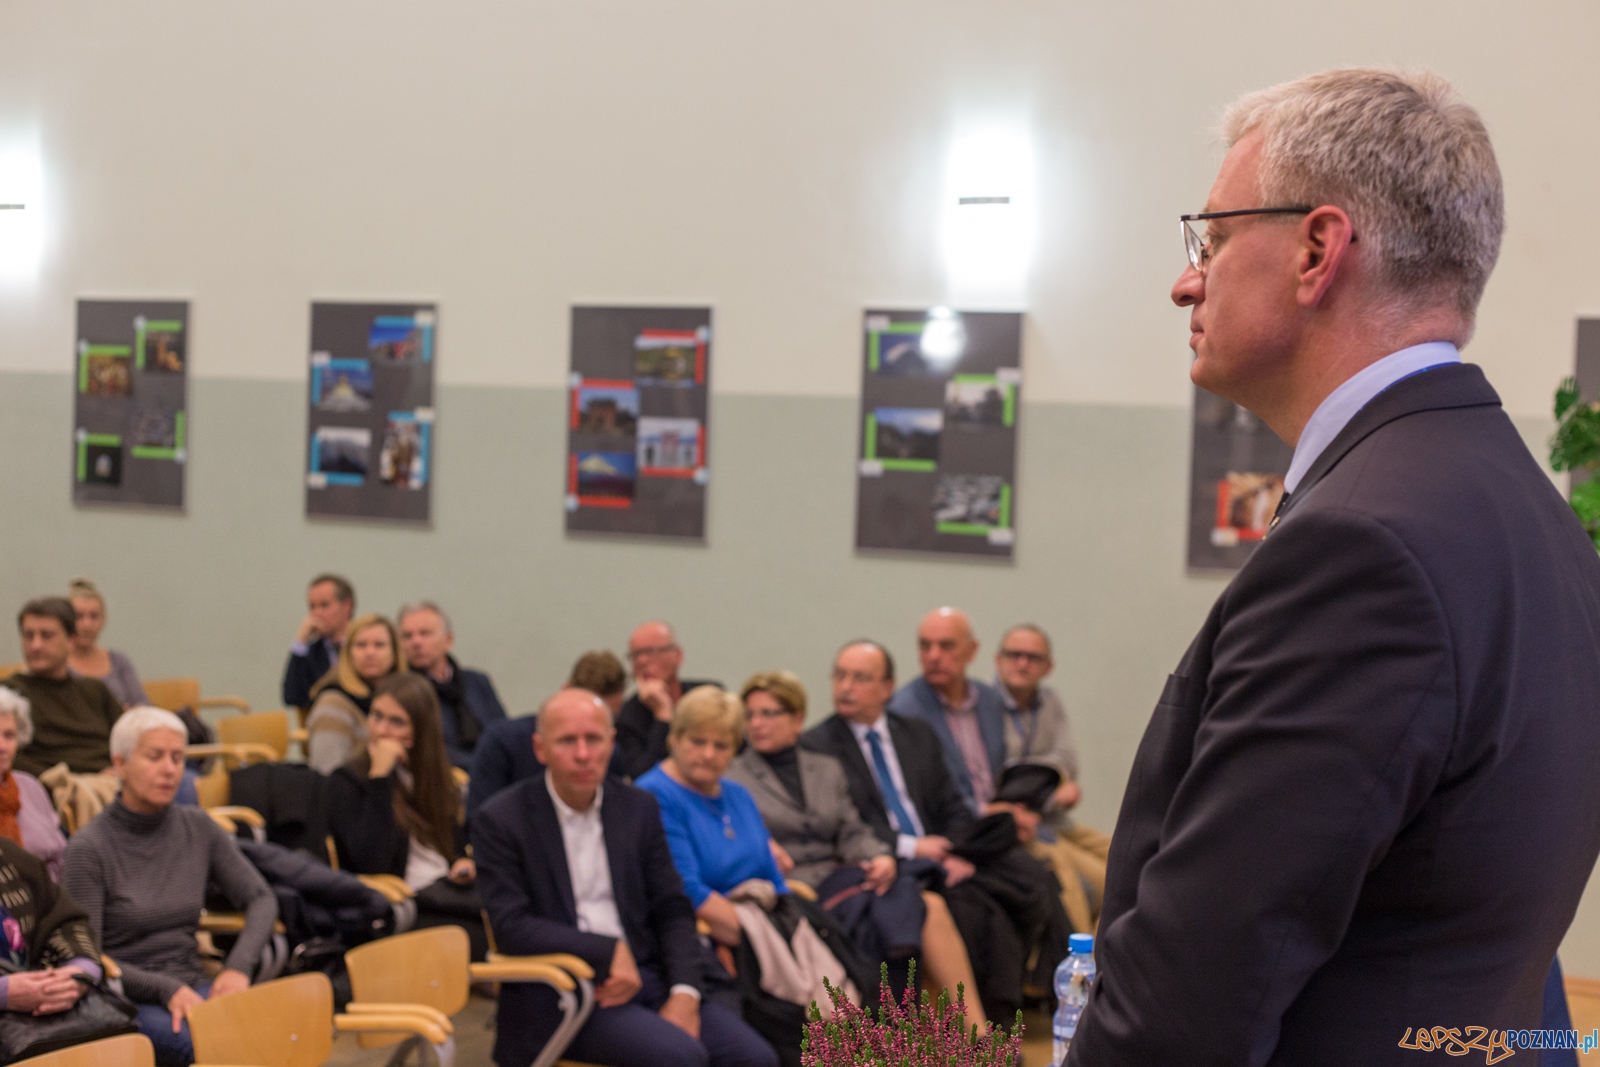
891,795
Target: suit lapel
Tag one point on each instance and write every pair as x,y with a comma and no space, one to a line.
542,817
905,751
1459,385
766,780
621,854
855,766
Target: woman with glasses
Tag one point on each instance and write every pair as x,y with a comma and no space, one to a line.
337,724
819,839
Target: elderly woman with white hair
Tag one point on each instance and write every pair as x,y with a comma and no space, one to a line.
27,816
140,869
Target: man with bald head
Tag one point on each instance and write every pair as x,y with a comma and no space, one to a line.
572,861
642,723
966,715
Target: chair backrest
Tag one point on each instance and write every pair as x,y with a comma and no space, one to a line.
287,1022
215,788
422,967
173,693
7,670
129,1050
1583,1001
270,728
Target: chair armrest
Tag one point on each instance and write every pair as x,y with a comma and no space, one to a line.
573,965
356,1007
227,824
513,969
242,752
394,889
110,966
409,1022
229,922
300,734
801,890
236,813
223,702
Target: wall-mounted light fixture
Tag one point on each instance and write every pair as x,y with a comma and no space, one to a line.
988,214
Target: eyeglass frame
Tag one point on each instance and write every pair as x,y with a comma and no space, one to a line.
1195,247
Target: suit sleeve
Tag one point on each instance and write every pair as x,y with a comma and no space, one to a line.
491,771
856,841
519,929
641,741
671,916
1328,711
298,678
941,805
486,702
361,815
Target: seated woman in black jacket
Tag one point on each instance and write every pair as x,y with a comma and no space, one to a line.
395,808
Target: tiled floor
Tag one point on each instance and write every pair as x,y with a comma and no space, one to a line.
475,1040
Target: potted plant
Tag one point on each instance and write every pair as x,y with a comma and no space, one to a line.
913,1033
1576,447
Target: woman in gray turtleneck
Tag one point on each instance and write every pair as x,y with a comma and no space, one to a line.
139,870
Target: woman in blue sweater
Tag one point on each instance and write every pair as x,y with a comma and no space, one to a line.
714,829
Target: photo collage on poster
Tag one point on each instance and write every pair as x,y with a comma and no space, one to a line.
130,402
636,434
939,406
1237,466
371,411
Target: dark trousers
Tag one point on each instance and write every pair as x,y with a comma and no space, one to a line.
633,1035
155,1022
884,928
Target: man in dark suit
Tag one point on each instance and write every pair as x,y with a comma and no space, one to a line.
330,603
468,704
900,785
570,861
1366,802
645,717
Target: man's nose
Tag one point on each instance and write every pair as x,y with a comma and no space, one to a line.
1190,288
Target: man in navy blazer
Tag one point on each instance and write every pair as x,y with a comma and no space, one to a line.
967,715
572,861
1366,803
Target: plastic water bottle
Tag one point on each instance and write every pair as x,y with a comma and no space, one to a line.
1073,978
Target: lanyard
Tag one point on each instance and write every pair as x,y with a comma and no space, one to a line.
1030,733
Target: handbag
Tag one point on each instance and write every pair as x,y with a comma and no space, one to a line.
99,1013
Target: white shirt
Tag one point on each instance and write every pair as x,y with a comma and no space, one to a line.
1341,405
589,869
906,843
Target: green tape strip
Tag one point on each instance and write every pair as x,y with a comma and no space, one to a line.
102,439
1005,506
872,436
83,460
904,327
1009,417
145,452
973,378
971,529
180,428
106,350
164,325
910,465
83,450
872,351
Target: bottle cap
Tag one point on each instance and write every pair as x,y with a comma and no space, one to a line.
1083,943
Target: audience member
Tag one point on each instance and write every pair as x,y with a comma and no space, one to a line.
394,808
336,727
646,716
72,716
140,871
468,704
819,839
967,716
901,786
505,752
27,816
91,661
330,602
573,862
1037,731
48,940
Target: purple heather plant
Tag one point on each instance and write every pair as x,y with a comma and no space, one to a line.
913,1033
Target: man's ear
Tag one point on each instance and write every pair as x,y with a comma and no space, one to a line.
1326,235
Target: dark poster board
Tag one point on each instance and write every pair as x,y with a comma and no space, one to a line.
1236,474
637,417
940,399
372,435
130,406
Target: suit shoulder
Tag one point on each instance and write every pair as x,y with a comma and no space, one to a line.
825,736
821,763
509,804
513,728
911,726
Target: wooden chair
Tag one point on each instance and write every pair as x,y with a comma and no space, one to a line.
270,728
7,670
129,1050
433,968
1583,1001
393,888
234,755
175,693
290,1023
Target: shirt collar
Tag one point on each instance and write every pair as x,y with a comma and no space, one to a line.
968,704
861,731
1011,701
565,811
1341,405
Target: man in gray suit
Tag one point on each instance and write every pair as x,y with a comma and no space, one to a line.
1366,802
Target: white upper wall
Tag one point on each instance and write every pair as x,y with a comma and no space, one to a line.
780,161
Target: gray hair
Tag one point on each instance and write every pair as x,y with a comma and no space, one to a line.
423,605
16,705
1032,628
1404,155
134,723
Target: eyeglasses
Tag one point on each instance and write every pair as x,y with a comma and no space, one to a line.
1026,657
855,677
1199,248
767,713
653,650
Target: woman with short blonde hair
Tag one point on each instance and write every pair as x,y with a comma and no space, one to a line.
708,708
336,726
87,659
